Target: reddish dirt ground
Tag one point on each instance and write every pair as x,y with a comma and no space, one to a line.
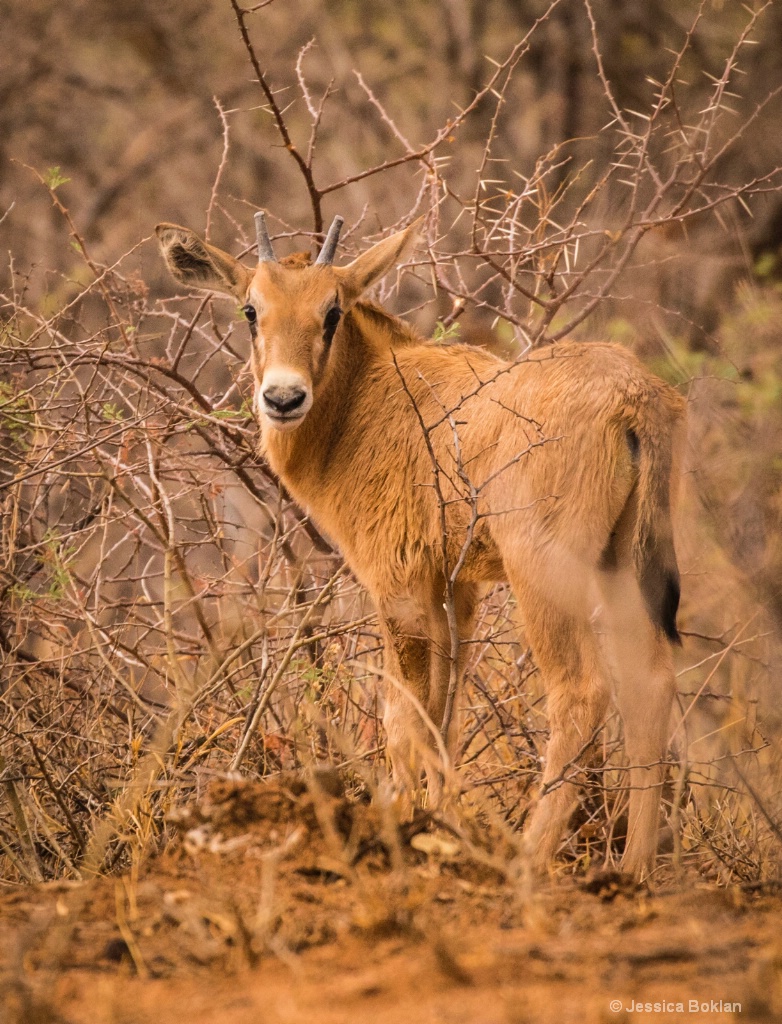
285,904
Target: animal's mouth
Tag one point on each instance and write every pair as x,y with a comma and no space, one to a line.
281,421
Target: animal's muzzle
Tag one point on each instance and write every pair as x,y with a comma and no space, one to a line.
282,401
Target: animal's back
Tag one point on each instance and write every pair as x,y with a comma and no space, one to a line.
545,450
550,420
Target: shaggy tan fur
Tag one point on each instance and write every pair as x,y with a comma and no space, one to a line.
563,465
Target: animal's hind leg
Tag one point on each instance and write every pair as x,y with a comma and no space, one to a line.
567,656
639,659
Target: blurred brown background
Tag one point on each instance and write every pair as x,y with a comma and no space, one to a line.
120,97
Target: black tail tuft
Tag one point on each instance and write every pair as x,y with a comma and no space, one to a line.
669,607
660,587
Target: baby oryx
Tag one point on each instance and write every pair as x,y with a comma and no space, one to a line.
556,473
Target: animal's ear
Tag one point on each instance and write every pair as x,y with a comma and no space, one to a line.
194,262
371,265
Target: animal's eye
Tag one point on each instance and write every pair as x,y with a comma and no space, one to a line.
330,323
249,312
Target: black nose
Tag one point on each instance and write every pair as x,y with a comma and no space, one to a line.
284,400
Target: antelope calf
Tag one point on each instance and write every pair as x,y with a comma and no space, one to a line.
556,473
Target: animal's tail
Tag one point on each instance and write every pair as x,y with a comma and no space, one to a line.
654,440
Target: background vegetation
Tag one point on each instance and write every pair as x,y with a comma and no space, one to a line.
167,615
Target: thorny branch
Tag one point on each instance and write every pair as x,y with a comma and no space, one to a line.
167,614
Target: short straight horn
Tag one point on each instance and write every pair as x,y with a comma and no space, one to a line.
329,249
265,251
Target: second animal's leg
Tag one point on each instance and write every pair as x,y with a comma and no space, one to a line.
566,654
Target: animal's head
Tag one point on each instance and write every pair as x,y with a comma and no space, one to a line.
294,311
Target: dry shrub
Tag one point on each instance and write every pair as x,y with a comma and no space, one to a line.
169,616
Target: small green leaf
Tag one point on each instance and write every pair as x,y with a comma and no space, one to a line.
113,413
54,178
445,332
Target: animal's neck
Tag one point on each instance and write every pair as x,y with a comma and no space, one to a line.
302,458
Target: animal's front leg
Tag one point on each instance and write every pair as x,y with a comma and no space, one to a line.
419,661
446,672
408,729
